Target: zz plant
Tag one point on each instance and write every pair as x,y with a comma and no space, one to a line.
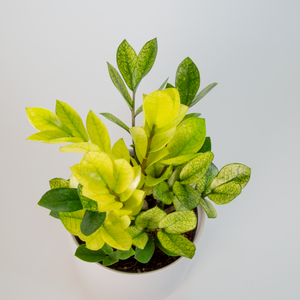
106,201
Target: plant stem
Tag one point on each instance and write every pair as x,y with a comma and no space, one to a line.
133,117
163,171
170,209
143,165
113,193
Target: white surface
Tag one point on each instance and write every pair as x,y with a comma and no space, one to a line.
58,50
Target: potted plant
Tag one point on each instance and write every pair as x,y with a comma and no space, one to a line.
124,208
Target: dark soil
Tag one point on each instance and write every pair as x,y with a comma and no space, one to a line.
158,260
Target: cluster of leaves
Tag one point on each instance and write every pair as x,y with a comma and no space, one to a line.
103,203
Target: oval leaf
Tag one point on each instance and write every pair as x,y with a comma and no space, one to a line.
225,193
203,93
186,195
88,255
79,148
92,221
144,255
150,218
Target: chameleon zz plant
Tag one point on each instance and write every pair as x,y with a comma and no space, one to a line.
107,198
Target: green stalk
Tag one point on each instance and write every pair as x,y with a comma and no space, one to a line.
133,117
143,165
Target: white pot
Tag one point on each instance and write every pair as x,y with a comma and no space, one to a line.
107,284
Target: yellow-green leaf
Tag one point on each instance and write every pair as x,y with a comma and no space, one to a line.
186,195
99,194
203,185
120,221
225,193
134,201
139,237
72,220
150,218
95,240
140,140
98,132
120,150
48,135
129,191
123,174
72,119
79,148
176,161
208,208
156,156
58,183
64,140
151,181
160,140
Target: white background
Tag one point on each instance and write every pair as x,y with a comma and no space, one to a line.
58,50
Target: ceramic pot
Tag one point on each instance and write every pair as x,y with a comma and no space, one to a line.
107,284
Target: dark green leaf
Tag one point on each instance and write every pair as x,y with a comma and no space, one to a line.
61,200
192,115
112,258
54,214
187,81
163,85
169,86
162,192
203,93
119,84
144,255
114,119
206,146
208,208
139,110
92,220
161,205
186,195
88,255
126,254
145,62
107,249
159,245
126,60
86,202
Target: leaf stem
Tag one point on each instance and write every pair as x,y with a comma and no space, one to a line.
163,171
133,117
170,209
143,165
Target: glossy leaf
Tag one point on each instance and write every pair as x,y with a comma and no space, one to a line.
119,221
126,61
206,146
169,86
140,139
115,120
54,214
119,84
178,205
203,185
145,62
163,193
61,200
187,81
139,237
72,221
159,245
97,166
116,237
188,138
163,85
191,115
176,161
72,119
98,132
48,135
144,255
150,218
200,95
134,184
79,148
58,183
123,174
92,221
43,120
88,255
107,249
99,194
134,203
86,202
196,168
111,259
138,111
160,140
120,150
126,254
64,140
186,195
233,172
151,181
177,244
156,156
208,208
95,241
225,193
179,222
175,176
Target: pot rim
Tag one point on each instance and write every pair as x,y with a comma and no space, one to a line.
200,225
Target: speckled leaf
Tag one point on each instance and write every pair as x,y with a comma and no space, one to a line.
150,218
159,245
97,166
203,185
89,255
98,132
187,81
175,176
178,205
160,140
200,95
156,156
48,135
145,62
72,221
196,168
116,237
58,183
126,61
138,111
188,138
72,119
115,120
120,150
43,120
186,195
92,221
140,139
176,161
163,85
61,200
225,193
139,237
163,193
79,148
119,84
177,244
233,172
111,259
151,181
123,174
179,222
191,115
144,255
208,208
